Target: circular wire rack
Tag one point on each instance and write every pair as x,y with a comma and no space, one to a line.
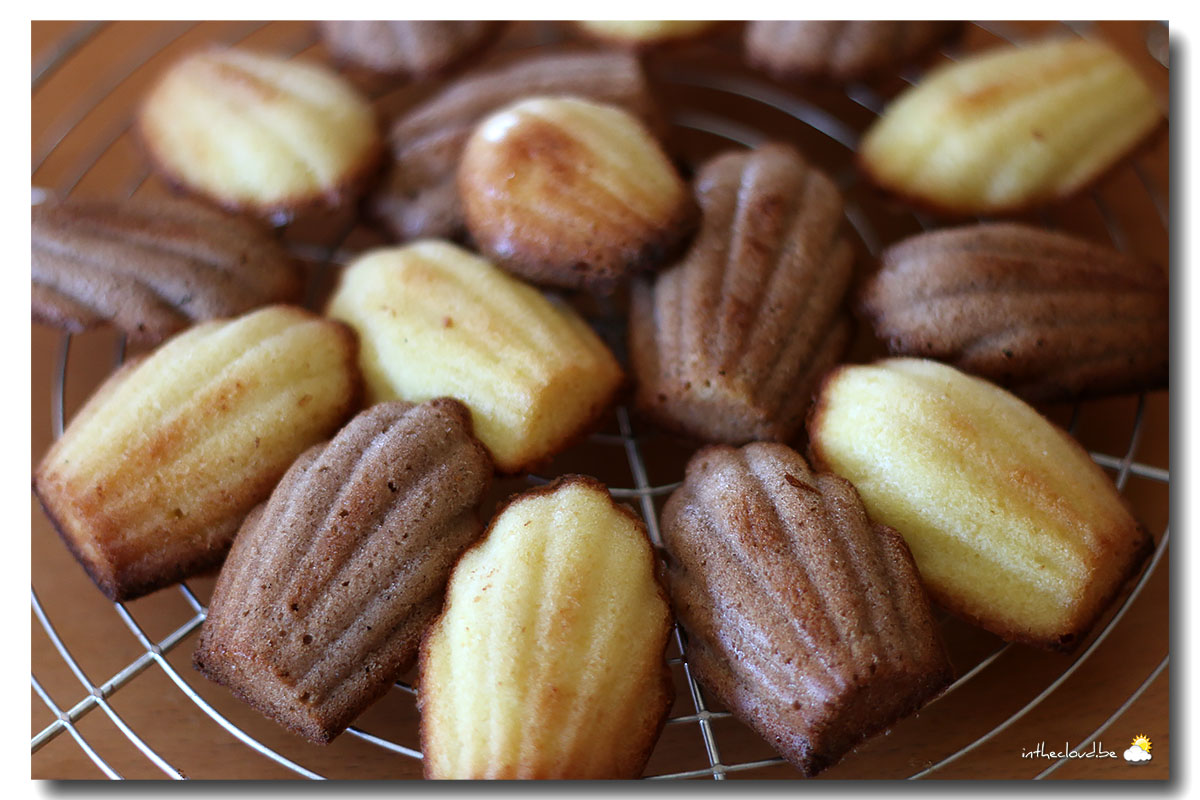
161,718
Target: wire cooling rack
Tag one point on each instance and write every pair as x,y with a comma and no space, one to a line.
161,718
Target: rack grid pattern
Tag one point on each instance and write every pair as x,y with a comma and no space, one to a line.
643,493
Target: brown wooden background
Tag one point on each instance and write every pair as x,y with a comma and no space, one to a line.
87,80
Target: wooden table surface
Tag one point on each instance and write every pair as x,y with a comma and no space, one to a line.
87,81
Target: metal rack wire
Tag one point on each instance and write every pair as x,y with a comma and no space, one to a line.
693,710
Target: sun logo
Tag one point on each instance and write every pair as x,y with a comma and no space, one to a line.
1139,750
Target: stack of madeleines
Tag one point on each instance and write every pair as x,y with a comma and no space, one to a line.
335,466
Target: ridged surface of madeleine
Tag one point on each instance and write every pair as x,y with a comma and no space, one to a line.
259,132
805,618
548,661
1010,522
839,50
728,344
435,320
420,198
412,47
571,193
151,479
1011,127
1045,314
151,267
331,584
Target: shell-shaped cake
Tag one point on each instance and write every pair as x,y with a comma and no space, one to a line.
151,267
1047,315
434,320
572,193
330,585
548,661
420,198
803,616
1010,522
728,344
153,476
639,33
1010,128
840,51
418,48
260,133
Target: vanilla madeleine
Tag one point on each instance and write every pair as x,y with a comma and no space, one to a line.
150,481
258,132
572,193
548,661
1010,522
1011,127
435,320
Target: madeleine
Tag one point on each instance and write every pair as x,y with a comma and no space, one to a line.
804,617
1010,128
548,661
331,583
571,193
434,320
1047,315
1010,522
150,481
260,133
728,344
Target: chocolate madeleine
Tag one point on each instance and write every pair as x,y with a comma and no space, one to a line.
414,48
419,198
152,267
1047,315
728,344
153,476
569,193
839,51
331,584
804,617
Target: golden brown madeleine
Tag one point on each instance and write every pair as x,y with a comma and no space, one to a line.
331,584
548,660
644,33
434,320
728,344
419,198
1047,315
1010,128
571,193
416,48
804,617
260,133
152,478
1010,522
839,51
152,267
